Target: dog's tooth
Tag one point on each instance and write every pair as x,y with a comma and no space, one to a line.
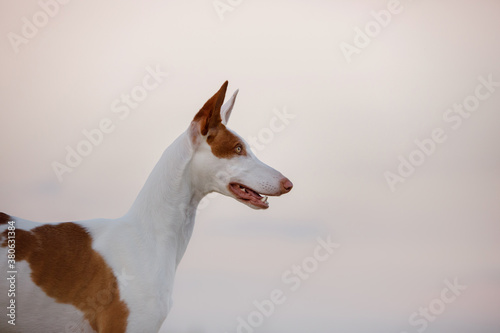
264,199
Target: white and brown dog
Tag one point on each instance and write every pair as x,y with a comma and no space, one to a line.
64,277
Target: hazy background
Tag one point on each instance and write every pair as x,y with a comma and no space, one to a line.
352,122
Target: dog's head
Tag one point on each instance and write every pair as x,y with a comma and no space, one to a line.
223,161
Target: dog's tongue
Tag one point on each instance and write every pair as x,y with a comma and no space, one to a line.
246,193
251,194
257,200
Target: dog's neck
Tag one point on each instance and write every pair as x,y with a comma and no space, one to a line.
165,208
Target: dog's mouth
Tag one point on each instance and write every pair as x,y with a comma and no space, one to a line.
249,196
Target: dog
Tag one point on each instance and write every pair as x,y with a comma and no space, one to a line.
67,277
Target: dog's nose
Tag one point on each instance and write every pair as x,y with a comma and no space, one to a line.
286,185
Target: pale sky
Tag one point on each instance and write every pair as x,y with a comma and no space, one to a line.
351,119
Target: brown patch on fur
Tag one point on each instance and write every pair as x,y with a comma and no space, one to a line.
202,118
4,218
209,115
224,143
66,267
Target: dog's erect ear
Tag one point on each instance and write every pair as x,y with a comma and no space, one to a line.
210,114
226,109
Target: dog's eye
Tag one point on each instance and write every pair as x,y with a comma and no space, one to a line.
238,149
